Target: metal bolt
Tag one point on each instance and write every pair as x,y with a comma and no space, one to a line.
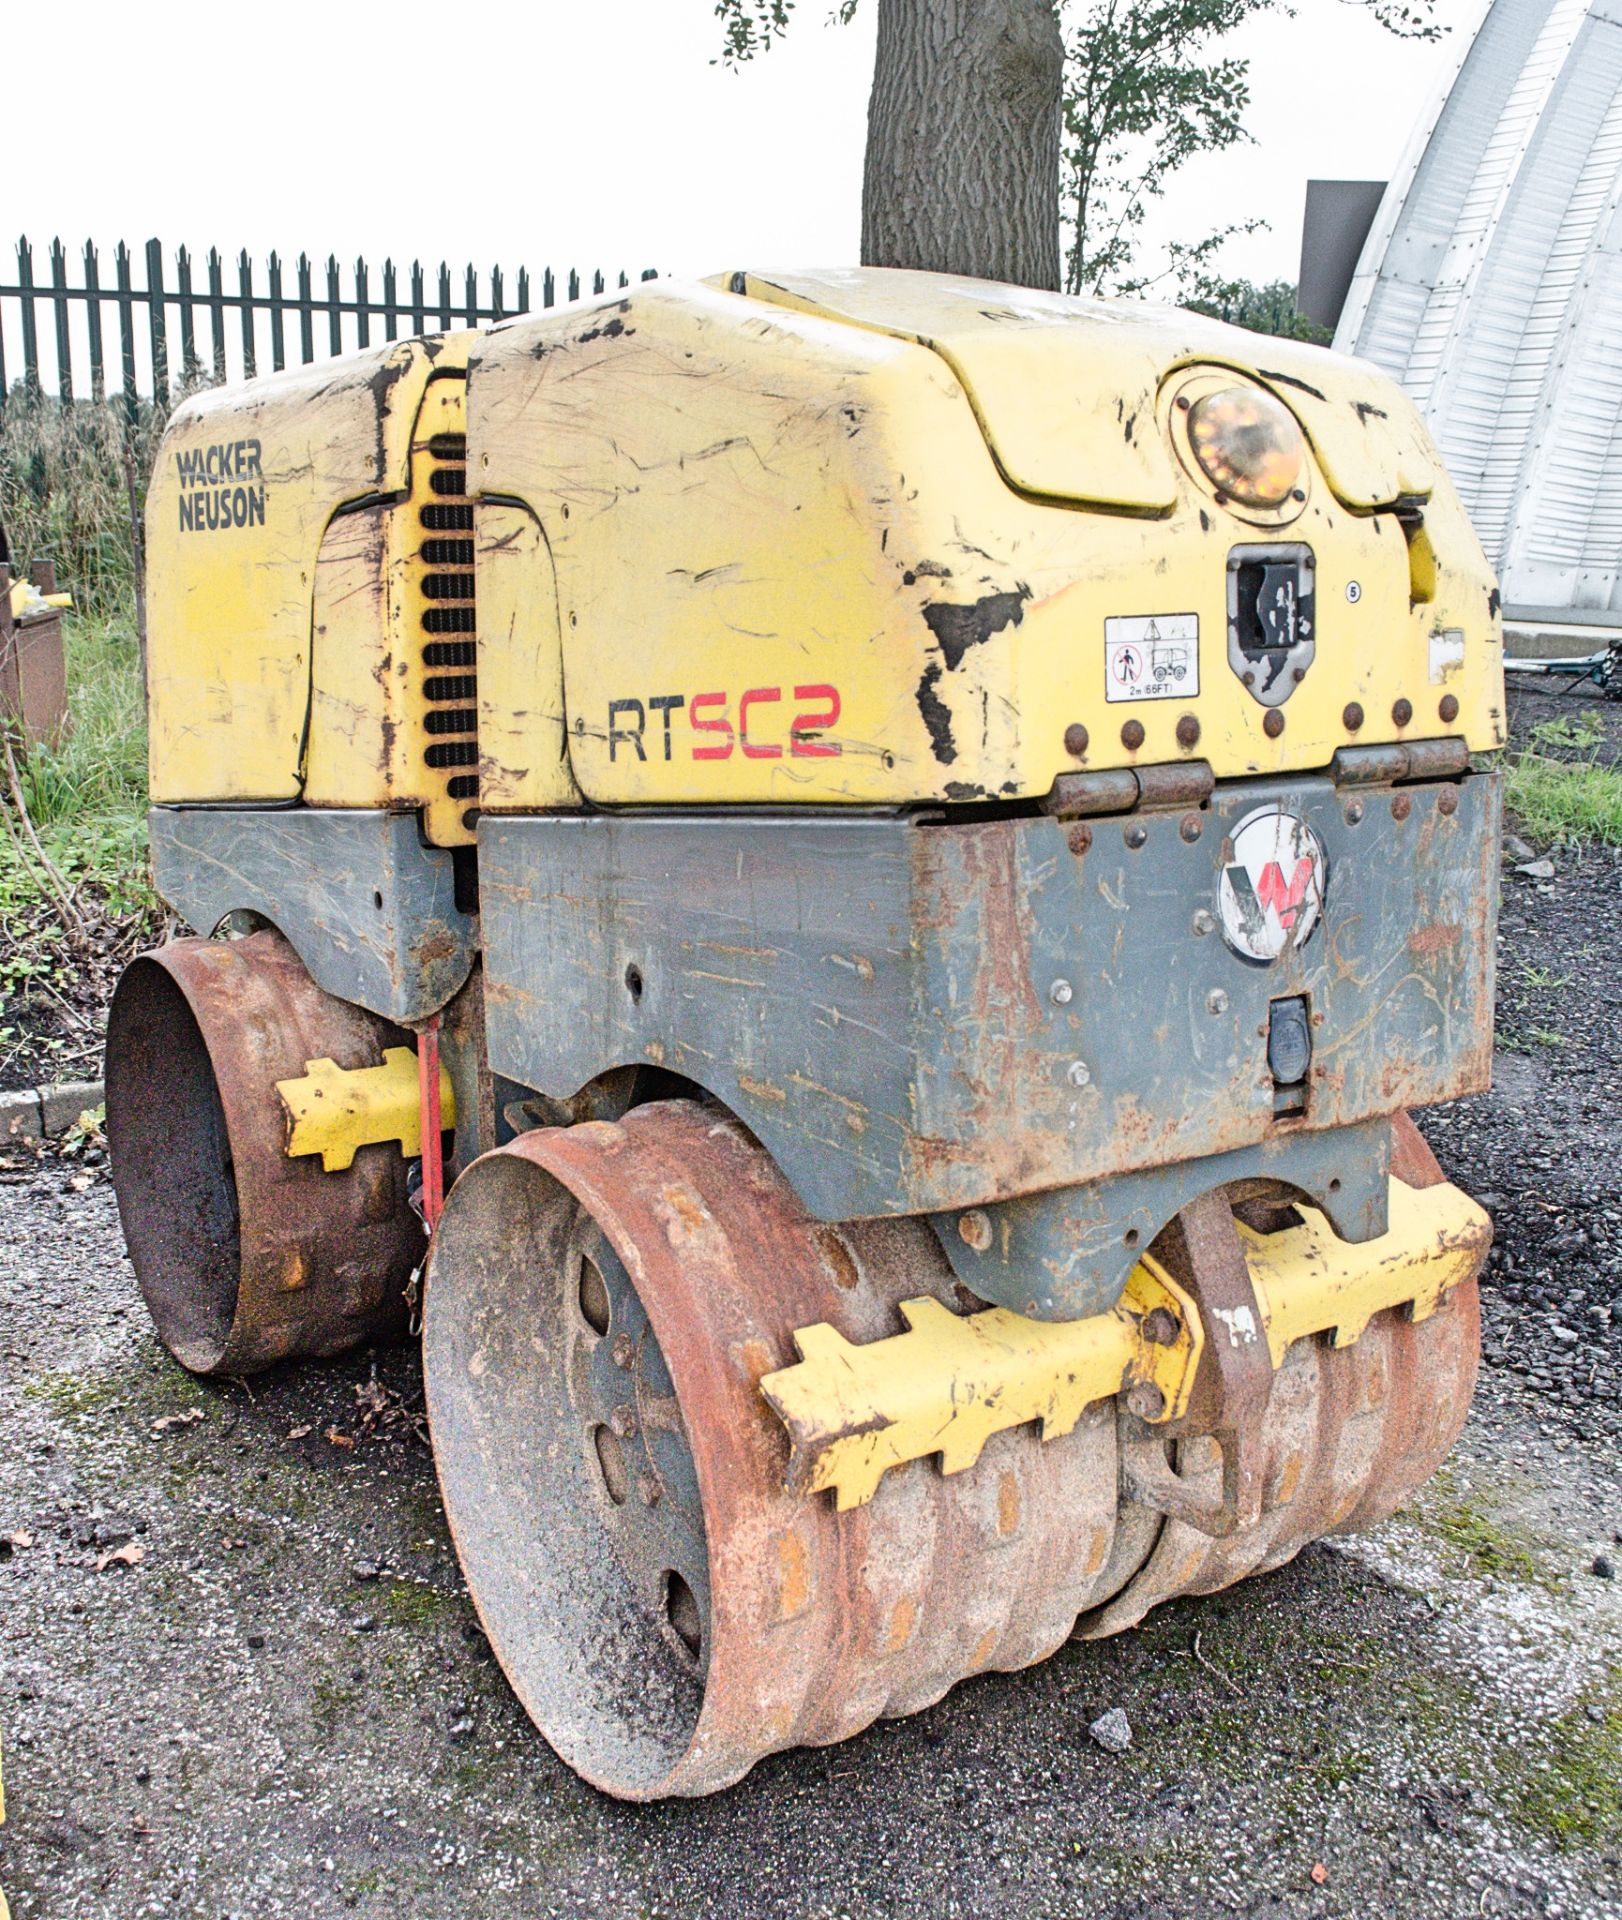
1079,1074
1061,993
1204,921
974,1229
1352,718
1354,812
1401,806
1298,674
1075,739
1081,838
623,1421
1273,725
1161,1327
623,1350
1447,801
1448,708
1146,1401
1402,712
1216,1000
1132,735
1191,829
1188,731
1136,835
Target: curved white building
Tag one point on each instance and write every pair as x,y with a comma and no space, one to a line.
1491,287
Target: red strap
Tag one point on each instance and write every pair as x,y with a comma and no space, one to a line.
433,1142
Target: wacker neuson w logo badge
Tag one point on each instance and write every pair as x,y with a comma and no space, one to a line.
221,486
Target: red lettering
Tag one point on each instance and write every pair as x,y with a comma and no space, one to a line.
1284,896
804,734
757,697
721,725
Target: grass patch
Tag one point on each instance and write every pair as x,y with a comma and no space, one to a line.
69,1396
1565,799
408,1603
1485,1544
1574,1791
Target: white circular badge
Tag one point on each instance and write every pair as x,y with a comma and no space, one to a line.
1272,890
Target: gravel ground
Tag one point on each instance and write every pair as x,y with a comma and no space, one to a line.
239,1675
285,1707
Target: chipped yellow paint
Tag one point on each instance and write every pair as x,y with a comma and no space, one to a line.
334,1111
1307,1281
749,498
953,1380
229,603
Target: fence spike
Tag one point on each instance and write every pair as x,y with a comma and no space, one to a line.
278,343
25,280
216,310
250,360
157,313
59,306
306,311
92,299
363,311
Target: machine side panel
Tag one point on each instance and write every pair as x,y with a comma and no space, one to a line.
922,1019
370,910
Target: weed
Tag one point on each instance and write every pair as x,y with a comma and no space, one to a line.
1564,799
1565,734
1542,977
64,492
407,1603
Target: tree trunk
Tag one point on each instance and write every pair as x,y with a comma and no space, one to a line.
963,139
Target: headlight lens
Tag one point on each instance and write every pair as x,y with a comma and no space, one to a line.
1248,445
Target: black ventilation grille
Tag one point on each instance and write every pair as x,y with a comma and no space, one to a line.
445,578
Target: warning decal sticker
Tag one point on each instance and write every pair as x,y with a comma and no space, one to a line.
1152,656
1271,893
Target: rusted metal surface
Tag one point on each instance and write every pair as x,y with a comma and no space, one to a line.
371,910
809,1623
919,1018
245,1256
1341,1438
33,667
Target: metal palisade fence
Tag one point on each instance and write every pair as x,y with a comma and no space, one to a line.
206,325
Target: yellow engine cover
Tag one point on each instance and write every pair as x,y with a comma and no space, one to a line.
859,537
863,537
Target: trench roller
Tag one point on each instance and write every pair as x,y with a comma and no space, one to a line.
839,885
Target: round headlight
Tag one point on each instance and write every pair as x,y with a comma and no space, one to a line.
1248,445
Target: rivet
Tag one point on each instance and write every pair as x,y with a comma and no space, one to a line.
1161,1327
1273,725
1298,493
1132,735
1352,718
974,1229
1401,806
1354,812
1447,801
1188,731
1183,403
1136,834
1402,712
1079,1074
1204,921
1191,829
1075,739
1298,674
1061,993
1146,1401
1249,679
1448,707
1216,1001
1081,838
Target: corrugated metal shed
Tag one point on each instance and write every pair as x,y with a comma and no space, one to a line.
1491,287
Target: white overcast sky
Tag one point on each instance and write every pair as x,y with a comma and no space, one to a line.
571,132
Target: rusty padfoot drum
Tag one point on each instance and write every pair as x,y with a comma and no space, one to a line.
244,1255
603,1303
